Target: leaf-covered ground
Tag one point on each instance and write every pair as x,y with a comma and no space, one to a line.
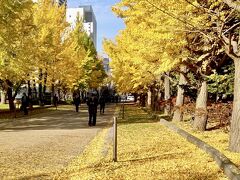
218,138
146,150
38,146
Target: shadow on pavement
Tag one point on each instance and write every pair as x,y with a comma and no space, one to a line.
63,118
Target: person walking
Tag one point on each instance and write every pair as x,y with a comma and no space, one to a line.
25,103
76,100
30,102
102,104
55,100
92,103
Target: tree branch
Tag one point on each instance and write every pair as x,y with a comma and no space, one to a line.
169,14
232,4
184,74
232,28
17,89
203,8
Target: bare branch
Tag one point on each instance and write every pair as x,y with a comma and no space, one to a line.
232,4
171,15
232,28
229,15
177,18
184,74
229,43
202,74
170,79
202,8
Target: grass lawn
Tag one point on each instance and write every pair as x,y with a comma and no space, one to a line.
146,150
4,106
5,114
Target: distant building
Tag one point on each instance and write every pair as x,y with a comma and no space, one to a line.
88,17
106,65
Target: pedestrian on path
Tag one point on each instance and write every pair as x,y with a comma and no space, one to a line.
102,104
76,100
92,103
25,103
55,101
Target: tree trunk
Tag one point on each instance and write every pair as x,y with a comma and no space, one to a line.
178,113
159,95
167,108
143,100
34,91
3,97
10,99
234,143
159,99
200,120
53,93
40,89
34,86
29,89
149,98
59,94
45,83
154,99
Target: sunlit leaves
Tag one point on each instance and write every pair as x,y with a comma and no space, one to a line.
35,39
16,30
152,42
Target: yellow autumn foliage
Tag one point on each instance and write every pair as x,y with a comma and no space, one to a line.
36,43
154,40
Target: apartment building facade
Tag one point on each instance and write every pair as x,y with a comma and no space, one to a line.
89,20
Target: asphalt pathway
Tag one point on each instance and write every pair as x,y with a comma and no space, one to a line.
37,146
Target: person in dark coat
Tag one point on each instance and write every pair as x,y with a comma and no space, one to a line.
55,100
102,104
76,100
92,103
25,103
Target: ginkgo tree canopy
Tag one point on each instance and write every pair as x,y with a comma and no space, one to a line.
158,35
38,45
16,32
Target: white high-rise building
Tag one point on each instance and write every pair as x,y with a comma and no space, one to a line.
88,17
106,65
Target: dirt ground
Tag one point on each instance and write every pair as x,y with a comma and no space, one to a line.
35,147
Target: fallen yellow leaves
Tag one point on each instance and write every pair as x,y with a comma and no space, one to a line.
146,150
218,138
90,158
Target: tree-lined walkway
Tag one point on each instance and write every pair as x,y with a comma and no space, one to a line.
42,144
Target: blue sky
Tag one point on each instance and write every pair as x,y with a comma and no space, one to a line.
108,24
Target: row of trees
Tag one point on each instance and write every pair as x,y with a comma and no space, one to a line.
37,46
197,41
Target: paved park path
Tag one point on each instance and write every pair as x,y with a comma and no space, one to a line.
35,147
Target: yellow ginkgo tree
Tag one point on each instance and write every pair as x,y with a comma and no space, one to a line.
16,45
50,23
145,45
